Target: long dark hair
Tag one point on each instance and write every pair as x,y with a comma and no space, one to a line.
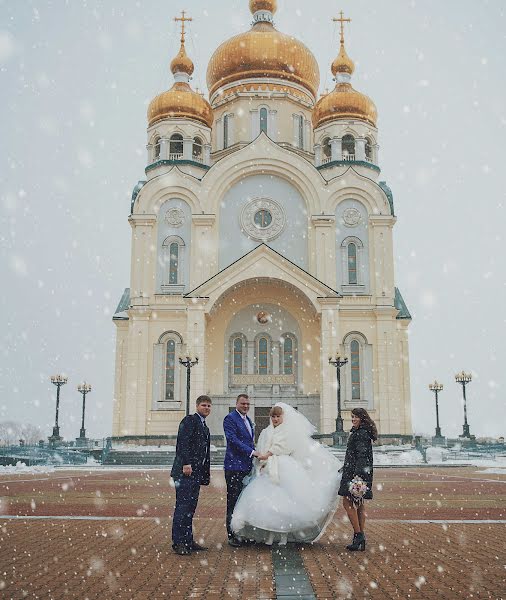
366,421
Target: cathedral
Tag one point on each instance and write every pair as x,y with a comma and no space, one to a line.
262,245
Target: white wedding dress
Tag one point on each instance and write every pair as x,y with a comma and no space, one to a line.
293,495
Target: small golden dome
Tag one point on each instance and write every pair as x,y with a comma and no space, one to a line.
263,52
180,101
270,5
182,63
342,63
344,103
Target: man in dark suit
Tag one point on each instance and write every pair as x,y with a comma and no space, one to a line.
240,435
191,469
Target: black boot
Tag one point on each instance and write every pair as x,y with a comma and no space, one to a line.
358,542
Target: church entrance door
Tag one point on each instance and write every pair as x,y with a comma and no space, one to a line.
262,419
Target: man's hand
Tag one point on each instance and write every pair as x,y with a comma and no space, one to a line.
187,470
255,453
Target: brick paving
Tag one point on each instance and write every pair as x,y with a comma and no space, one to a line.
126,554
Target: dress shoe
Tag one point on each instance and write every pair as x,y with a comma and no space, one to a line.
196,547
234,542
181,549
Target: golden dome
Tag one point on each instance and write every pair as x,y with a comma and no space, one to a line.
263,52
344,103
270,5
342,63
180,101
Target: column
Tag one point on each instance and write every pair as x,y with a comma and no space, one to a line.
204,254
336,149
255,124
273,125
143,258
206,154
329,333
359,148
317,155
164,148
195,346
187,148
324,255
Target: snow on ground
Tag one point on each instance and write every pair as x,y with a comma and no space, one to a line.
20,467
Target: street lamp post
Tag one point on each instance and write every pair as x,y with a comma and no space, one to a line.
339,435
188,362
83,388
58,381
436,387
464,378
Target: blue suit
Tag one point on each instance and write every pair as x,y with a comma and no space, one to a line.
238,460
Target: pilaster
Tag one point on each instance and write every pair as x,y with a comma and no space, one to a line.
329,334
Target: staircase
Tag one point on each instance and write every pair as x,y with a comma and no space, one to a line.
153,457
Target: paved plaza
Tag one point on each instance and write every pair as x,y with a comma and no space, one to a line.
100,534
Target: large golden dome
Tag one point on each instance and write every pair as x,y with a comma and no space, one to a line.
344,102
180,101
263,52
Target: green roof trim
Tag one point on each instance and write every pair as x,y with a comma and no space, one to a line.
388,192
181,161
400,305
347,163
123,306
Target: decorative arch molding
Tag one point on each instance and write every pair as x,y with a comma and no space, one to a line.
356,194
358,374
264,157
173,185
359,187
170,332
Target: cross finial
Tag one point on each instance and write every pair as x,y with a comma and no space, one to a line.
183,20
342,21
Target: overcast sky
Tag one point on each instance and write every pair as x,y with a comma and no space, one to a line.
75,80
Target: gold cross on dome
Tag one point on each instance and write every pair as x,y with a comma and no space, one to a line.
342,21
183,20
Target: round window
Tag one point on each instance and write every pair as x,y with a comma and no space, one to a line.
263,218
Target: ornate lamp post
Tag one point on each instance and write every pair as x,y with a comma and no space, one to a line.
83,388
436,387
188,362
339,435
464,378
58,381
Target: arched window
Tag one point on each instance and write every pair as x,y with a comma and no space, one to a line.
173,263
197,149
173,251
263,120
175,146
238,355
226,128
348,145
156,149
170,371
263,357
352,264
326,150
355,370
288,356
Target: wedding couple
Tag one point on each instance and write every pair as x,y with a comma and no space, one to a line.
284,490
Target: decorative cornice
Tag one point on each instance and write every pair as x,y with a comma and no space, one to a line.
323,220
347,163
147,220
161,163
382,220
203,220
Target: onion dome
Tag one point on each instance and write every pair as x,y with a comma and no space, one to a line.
180,101
344,102
263,52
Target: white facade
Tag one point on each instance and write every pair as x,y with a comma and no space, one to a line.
262,255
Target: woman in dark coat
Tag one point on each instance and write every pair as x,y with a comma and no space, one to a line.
358,462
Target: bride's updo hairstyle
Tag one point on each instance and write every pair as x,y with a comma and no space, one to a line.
366,421
276,411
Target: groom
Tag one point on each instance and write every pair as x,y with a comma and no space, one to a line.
240,435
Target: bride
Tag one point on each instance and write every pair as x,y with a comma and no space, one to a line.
292,494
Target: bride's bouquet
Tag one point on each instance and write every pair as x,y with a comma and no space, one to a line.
357,488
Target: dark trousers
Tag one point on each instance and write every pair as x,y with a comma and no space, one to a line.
234,489
187,496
